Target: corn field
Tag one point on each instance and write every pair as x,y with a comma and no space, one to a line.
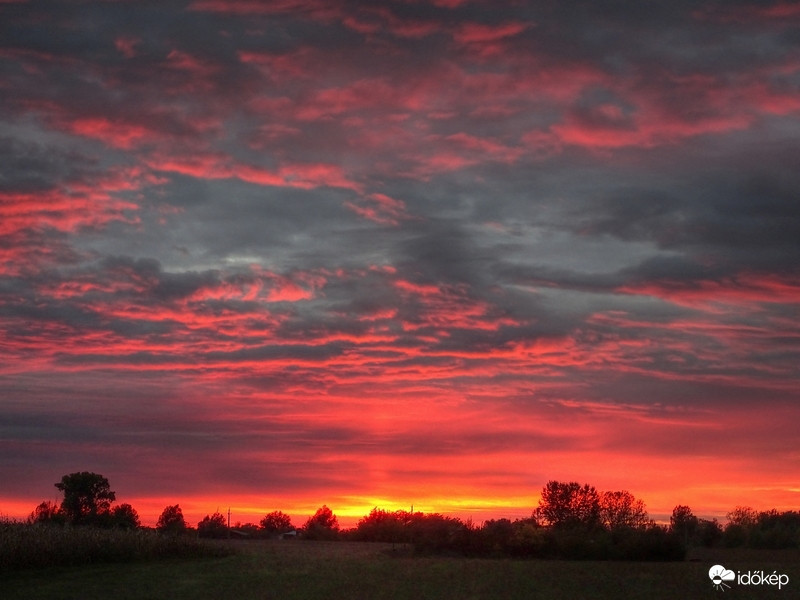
28,546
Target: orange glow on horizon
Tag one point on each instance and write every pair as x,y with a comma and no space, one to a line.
670,485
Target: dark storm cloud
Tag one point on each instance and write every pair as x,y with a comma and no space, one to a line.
157,284
32,167
442,251
755,210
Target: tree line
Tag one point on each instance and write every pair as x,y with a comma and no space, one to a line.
88,498
572,520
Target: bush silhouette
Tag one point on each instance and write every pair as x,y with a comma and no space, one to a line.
213,526
171,521
322,526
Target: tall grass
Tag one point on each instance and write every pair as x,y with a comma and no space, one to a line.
29,546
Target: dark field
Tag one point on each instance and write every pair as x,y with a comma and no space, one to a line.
332,570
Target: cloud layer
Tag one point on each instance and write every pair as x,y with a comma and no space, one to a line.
279,254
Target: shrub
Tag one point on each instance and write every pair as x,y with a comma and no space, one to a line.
213,526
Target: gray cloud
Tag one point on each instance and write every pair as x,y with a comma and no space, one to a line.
255,238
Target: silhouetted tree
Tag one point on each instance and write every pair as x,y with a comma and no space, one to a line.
741,526
213,526
125,516
708,533
622,509
683,523
572,505
742,515
48,513
171,521
436,533
87,498
383,526
529,538
322,526
766,529
574,530
497,535
276,523
776,530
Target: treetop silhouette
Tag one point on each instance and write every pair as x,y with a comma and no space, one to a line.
87,497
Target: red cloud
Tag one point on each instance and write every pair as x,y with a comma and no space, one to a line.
288,291
417,288
381,209
116,134
280,68
220,166
401,27
318,9
126,44
90,203
472,33
745,289
785,12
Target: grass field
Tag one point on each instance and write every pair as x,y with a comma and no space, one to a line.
310,570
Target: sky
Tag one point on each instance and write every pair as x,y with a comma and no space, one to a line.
274,255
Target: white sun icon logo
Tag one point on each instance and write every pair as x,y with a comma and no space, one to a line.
719,575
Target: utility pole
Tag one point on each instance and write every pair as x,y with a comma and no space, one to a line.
229,522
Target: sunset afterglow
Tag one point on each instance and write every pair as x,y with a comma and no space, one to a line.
431,253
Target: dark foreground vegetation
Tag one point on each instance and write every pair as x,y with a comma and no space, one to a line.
571,522
594,545
311,570
25,546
